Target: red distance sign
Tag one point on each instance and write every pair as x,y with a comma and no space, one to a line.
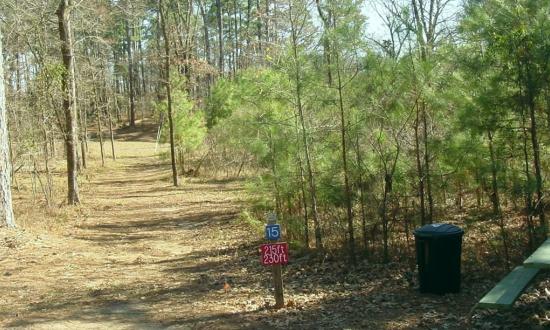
274,254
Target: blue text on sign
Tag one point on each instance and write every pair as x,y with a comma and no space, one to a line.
272,232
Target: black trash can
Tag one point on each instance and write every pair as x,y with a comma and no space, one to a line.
438,250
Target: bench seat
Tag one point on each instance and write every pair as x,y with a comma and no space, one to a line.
507,291
540,258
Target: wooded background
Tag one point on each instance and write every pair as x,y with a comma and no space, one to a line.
353,140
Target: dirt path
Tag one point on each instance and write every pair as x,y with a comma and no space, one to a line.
145,255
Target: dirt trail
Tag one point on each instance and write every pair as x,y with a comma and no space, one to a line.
145,255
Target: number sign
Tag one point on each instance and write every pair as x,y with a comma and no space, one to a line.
272,232
274,254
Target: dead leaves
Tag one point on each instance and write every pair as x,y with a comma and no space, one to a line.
226,287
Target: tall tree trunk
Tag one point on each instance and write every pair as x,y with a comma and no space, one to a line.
266,25
100,134
327,53
304,203
495,199
278,208
6,210
68,88
208,51
259,26
83,135
427,173
220,35
347,189
168,91
329,25
528,194
419,168
384,215
235,37
112,135
248,19
539,205
107,94
361,182
131,79
83,139
305,139
76,112
425,22
49,183
230,42
142,66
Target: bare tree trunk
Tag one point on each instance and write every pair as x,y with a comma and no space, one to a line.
328,26
181,160
528,194
236,35
304,204
168,92
539,205
68,87
142,67
495,199
248,19
100,134
259,26
49,182
419,168
220,35
305,140
83,135
278,208
231,53
83,151
427,173
81,157
6,210
361,195
131,75
112,134
343,131
267,21
208,51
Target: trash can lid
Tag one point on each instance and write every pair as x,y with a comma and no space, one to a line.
438,230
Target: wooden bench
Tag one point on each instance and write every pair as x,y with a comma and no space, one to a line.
540,258
507,291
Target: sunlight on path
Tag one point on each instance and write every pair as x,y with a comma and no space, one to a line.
147,255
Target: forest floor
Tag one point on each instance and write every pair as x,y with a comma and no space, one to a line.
142,254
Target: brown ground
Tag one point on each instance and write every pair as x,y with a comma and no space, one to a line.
141,254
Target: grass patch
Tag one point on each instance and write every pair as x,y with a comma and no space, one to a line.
247,219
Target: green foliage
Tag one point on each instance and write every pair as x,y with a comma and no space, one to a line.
251,221
52,73
189,123
221,102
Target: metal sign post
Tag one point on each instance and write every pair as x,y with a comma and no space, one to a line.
275,254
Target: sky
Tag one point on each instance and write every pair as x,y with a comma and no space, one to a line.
375,25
